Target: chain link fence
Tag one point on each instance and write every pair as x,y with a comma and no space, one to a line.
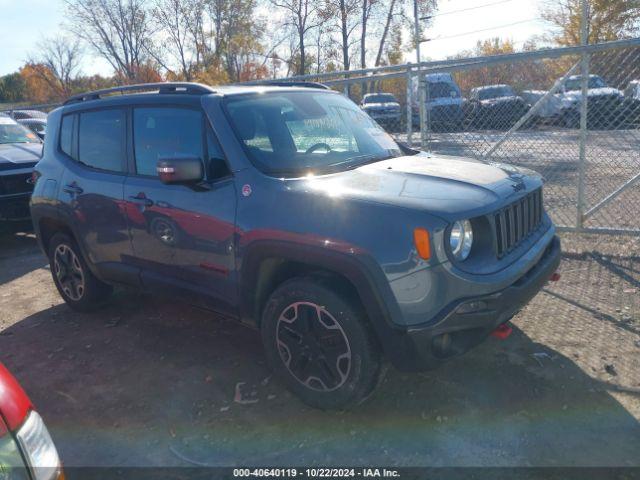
572,114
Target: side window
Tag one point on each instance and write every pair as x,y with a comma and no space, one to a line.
66,134
165,132
217,165
101,139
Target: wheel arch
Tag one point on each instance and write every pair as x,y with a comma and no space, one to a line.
268,264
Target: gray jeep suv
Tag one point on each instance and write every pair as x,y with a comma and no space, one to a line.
289,209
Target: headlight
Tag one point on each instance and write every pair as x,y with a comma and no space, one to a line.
461,239
38,448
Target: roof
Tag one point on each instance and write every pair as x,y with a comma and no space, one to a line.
487,87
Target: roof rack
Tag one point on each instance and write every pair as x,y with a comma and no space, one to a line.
284,83
160,87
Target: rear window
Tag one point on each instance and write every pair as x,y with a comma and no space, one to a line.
101,139
12,132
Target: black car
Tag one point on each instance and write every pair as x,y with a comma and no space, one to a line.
20,150
494,106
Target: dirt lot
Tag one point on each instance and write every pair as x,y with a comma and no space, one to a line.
151,382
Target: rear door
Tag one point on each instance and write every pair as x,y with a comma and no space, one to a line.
93,143
182,236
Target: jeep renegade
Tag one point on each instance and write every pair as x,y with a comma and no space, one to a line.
288,208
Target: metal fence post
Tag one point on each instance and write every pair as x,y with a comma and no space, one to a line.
584,64
422,99
409,106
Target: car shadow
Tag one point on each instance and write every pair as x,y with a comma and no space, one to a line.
19,255
151,382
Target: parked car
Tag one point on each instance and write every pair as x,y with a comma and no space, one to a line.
25,114
443,103
494,106
36,125
605,104
291,210
632,104
20,149
26,449
384,108
550,112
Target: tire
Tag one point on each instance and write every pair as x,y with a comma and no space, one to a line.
333,363
75,282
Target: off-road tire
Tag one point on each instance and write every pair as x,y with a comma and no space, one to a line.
85,292
344,328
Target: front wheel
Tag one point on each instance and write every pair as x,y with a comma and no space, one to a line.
77,285
319,344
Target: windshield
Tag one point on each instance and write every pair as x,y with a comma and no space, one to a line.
441,90
382,98
301,132
12,132
576,83
495,92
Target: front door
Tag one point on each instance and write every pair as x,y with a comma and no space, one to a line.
182,236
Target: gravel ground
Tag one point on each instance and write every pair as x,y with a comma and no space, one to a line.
151,382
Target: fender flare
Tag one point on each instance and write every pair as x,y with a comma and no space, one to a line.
361,271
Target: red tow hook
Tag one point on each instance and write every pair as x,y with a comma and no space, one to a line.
502,332
554,277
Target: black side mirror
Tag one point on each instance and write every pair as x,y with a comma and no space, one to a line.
180,170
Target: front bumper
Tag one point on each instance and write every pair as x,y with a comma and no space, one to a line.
385,117
468,322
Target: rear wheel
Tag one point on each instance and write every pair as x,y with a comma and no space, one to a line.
319,344
77,285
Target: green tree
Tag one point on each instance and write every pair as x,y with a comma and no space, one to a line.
12,88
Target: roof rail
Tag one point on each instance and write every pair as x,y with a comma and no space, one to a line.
284,83
160,87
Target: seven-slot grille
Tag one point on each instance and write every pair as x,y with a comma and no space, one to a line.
517,221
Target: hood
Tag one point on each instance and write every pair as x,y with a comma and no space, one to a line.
448,187
19,154
594,92
381,105
498,100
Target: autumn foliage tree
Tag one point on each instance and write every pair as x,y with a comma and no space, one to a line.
607,20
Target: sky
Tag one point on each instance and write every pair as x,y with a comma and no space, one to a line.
23,23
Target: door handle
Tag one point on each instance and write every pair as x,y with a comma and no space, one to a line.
73,188
141,199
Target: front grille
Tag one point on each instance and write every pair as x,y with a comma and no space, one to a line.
14,184
517,221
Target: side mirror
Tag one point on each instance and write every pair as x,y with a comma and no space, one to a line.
180,170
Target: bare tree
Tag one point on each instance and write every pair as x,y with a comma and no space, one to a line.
346,14
367,10
118,30
302,16
180,26
390,13
57,64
